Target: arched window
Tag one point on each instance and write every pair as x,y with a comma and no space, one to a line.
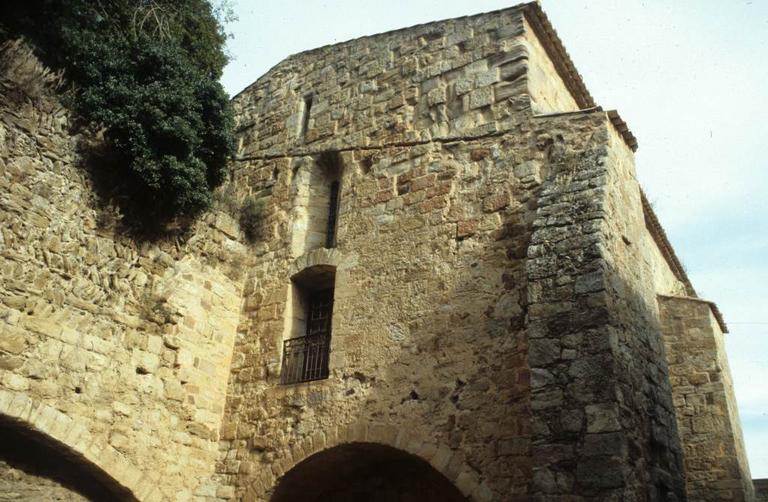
306,350
317,188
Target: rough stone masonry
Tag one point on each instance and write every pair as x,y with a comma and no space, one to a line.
458,291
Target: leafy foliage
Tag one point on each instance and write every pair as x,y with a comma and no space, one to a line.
147,71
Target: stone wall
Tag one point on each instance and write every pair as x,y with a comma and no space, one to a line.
119,349
450,79
761,489
495,274
572,382
591,322
635,275
427,322
716,463
528,240
548,93
436,216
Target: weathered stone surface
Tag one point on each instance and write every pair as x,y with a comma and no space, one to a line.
702,391
600,472
16,484
83,313
761,490
495,275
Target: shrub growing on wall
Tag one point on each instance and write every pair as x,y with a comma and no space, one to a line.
250,218
147,71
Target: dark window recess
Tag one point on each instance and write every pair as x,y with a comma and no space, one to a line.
306,358
305,117
333,213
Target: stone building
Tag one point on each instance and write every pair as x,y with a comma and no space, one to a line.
458,292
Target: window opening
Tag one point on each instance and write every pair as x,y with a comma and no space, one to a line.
306,353
333,211
316,186
305,117
319,318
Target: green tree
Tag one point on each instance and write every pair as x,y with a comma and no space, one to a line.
147,71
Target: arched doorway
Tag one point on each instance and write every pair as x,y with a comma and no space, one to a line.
365,472
36,467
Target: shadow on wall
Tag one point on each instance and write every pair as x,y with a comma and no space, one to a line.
34,467
365,471
602,416
429,343
490,327
476,398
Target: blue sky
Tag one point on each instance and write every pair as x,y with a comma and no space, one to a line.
690,79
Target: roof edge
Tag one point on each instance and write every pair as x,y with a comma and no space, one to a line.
558,54
660,237
623,129
520,6
712,306
535,16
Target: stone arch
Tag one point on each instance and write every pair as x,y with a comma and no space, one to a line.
450,463
342,263
365,471
59,432
323,256
312,202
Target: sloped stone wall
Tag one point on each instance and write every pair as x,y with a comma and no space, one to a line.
577,440
635,274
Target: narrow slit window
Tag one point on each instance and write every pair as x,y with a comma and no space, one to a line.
317,203
305,117
333,213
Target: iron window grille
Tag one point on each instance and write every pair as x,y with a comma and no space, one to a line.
305,358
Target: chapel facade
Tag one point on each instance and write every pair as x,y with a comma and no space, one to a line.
457,291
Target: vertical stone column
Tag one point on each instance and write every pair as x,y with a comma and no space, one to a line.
707,417
579,448
600,401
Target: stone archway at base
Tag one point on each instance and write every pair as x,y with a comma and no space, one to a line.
448,462
56,432
33,467
369,472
